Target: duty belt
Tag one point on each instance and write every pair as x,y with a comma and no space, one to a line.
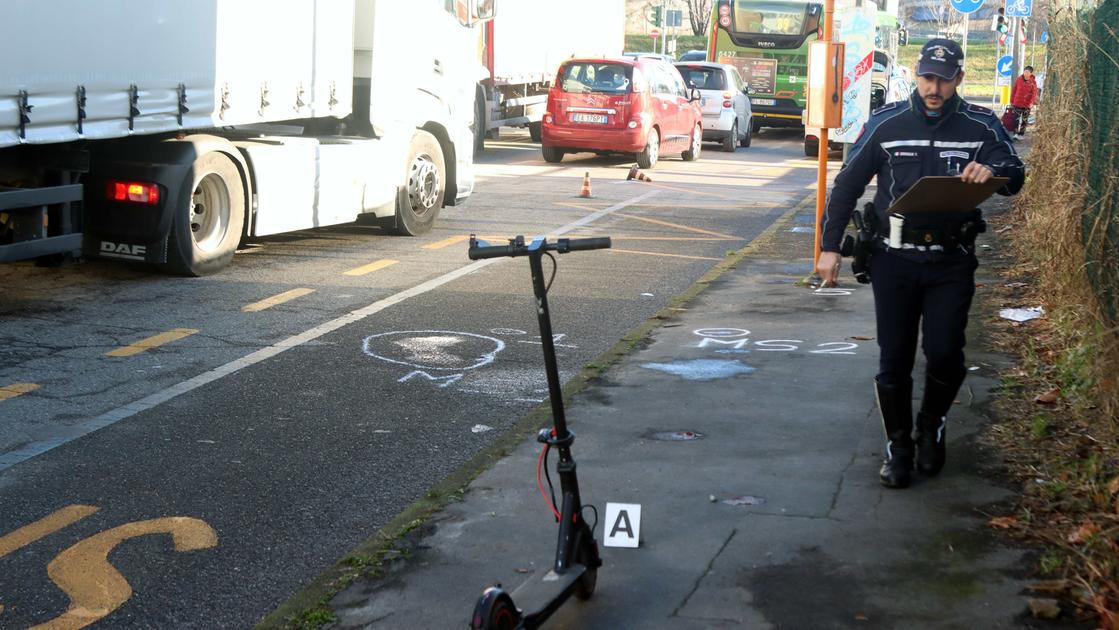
945,238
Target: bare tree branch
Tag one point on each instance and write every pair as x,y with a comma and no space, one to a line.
699,13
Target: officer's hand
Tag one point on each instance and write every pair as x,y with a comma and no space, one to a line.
976,173
827,267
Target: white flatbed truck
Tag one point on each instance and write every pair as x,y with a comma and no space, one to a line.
167,132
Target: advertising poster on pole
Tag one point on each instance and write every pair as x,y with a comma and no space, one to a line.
855,28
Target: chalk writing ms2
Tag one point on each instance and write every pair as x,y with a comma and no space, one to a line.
737,341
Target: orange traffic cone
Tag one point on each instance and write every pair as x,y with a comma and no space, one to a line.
586,191
634,173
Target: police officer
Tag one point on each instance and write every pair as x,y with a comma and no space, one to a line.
925,282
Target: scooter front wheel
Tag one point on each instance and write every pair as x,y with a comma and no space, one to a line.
495,611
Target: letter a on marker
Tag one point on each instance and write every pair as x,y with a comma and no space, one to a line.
624,521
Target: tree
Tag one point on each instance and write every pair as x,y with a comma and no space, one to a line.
699,12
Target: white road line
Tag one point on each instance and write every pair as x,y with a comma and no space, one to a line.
11,458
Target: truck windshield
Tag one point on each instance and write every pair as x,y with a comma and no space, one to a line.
609,78
769,18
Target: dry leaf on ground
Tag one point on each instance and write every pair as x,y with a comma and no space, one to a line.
1048,398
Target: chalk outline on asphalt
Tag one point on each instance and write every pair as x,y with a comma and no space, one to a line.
28,451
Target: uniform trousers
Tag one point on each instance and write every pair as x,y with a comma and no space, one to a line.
932,298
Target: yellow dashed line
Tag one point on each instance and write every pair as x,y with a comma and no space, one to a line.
47,525
675,225
631,251
577,206
447,242
152,342
286,296
675,238
16,389
371,267
685,190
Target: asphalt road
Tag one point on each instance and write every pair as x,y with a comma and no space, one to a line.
189,452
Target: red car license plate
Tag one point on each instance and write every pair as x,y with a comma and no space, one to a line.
589,118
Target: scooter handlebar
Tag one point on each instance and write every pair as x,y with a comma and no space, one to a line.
480,249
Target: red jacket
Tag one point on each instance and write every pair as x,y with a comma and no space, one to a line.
1024,93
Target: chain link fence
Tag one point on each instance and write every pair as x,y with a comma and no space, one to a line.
1101,209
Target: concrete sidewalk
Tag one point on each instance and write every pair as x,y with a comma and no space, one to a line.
773,518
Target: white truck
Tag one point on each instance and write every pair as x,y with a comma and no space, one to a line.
166,132
523,47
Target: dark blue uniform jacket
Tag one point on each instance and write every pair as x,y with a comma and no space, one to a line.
900,144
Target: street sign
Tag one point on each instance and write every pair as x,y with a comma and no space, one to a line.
674,17
1045,37
1019,8
967,6
1005,63
655,33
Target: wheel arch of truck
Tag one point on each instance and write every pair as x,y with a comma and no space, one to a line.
166,161
450,159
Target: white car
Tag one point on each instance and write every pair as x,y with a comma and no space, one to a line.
727,117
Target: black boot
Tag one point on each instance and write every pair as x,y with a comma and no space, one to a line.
895,402
932,424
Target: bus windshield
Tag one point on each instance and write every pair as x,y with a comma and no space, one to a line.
769,18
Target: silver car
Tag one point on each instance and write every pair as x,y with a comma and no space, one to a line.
727,117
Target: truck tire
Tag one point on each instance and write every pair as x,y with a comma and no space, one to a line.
647,158
535,132
745,142
479,122
755,125
426,186
811,148
210,219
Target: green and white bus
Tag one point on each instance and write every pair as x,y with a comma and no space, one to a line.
767,40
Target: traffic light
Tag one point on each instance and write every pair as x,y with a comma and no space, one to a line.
657,18
1001,25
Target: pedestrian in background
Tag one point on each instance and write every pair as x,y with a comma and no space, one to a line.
924,278
1023,96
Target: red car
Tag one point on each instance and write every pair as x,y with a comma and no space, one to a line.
637,105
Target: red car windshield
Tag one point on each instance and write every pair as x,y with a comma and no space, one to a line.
581,77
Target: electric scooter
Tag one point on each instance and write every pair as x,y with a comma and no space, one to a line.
575,570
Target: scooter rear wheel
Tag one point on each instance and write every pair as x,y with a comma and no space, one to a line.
495,611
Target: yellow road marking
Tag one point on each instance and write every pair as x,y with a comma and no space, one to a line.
577,206
47,525
685,190
94,586
676,225
286,296
632,251
16,389
676,238
371,267
152,342
447,242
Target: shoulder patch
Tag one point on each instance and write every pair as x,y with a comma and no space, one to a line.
888,106
979,109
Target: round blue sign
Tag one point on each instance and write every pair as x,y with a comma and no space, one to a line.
1005,63
967,6
1045,37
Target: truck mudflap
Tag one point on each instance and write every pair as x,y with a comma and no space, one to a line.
149,252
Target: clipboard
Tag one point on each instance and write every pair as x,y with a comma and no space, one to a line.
945,194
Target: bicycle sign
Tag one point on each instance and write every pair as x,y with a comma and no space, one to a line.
1019,8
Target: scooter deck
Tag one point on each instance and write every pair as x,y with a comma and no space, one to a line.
544,593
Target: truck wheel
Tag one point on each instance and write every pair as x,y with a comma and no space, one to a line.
755,125
811,148
647,158
552,155
208,224
479,122
745,142
426,183
692,154
534,131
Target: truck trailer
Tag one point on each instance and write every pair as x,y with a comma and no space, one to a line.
523,48
167,132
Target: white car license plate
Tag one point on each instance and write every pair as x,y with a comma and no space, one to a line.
589,118
763,101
